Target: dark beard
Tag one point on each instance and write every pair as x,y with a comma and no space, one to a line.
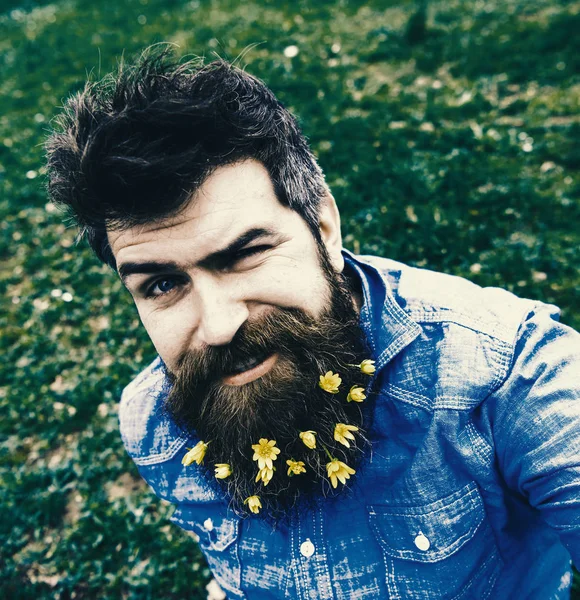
282,403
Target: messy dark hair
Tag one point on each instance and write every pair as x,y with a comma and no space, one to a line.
135,146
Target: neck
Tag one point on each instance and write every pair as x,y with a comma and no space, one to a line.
357,295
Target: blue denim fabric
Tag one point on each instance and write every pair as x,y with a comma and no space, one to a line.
472,488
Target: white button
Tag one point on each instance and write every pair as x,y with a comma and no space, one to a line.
307,548
208,524
422,542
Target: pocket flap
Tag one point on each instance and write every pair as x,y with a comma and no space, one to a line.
430,532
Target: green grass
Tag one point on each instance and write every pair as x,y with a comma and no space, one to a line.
450,142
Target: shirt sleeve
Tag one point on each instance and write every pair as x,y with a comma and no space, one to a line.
537,423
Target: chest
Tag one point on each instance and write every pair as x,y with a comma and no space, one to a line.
414,525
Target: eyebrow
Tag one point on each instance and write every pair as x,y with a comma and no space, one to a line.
129,269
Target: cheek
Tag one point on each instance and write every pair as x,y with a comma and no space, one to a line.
297,284
168,332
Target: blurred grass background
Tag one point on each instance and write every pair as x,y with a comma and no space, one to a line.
448,133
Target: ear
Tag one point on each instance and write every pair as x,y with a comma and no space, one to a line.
329,223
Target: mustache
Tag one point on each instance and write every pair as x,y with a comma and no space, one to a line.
281,331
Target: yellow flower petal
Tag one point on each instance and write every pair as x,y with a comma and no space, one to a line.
295,467
222,471
308,438
195,454
265,452
342,433
368,367
356,394
254,504
330,382
265,475
338,471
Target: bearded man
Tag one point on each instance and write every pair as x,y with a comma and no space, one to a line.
330,426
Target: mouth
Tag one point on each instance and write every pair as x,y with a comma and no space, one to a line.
249,370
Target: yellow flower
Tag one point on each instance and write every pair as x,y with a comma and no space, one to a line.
367,367
330,382
309,439
265,452
265,475
338,471
222,470
195,454
356,394
342,433
295,467
254,504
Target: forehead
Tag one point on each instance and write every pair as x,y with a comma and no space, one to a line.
233,198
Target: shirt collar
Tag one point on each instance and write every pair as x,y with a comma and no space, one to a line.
386,325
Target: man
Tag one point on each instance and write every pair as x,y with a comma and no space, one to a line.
329,425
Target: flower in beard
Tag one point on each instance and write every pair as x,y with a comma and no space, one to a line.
342,433
265,452
195,454
254,504
222,471
368,367
308,438
295,467
265,475
280,404
356,394
338,471
330,382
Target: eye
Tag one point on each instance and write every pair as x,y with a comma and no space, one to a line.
161,287
247,252
230,262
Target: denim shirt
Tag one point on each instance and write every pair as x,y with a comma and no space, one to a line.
471,489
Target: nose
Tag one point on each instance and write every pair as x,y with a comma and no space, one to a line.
221,314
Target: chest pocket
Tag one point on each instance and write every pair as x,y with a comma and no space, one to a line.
444,550
217,536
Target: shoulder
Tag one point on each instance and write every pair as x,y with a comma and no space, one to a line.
148,434
431,297
545,365
469,335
